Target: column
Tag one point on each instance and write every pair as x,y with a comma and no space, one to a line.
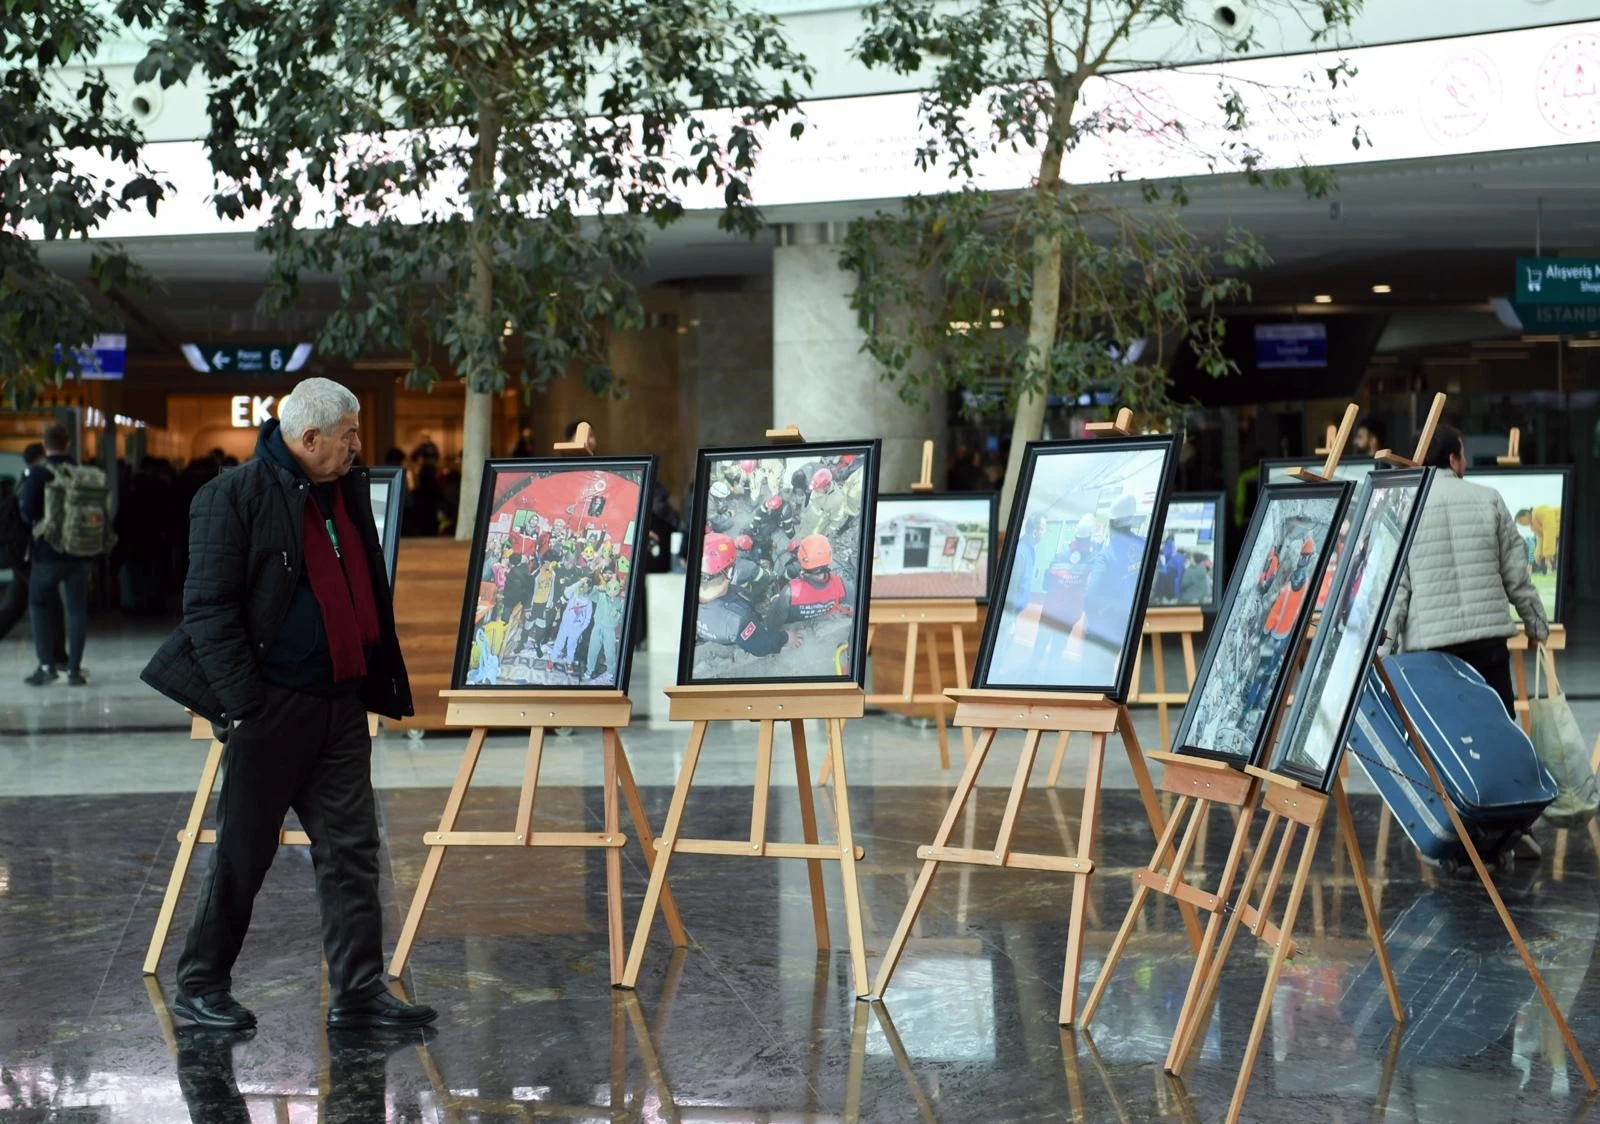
821,379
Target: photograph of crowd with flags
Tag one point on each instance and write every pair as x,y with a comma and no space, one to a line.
550,584
1080,561
779,572
1259,625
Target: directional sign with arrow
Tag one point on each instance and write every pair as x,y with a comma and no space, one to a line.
247,359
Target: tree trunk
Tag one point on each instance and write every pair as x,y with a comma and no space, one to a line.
477,424
1042,314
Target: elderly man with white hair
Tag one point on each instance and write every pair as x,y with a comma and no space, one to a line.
287,642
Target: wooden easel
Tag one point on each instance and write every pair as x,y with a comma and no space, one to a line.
193,835
538,712
1518,644
1185,622
1198,784
915,613
767,704
1298,805
1035,713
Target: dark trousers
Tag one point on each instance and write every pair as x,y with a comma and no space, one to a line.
1492,660
314,755
15,606
51,581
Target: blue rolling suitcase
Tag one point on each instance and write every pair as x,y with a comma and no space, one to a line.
1486,762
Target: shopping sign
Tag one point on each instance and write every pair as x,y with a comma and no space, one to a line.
106,358
246,359
1557,294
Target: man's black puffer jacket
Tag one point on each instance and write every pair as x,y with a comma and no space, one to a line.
245,543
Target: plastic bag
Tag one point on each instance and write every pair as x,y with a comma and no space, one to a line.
1560,747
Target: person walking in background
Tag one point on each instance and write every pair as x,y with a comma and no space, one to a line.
16,549
1467,563
66,504
287,642
1370,437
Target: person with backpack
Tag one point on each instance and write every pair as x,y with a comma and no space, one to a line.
16,545
68,506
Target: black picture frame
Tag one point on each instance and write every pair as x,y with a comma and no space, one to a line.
934,499
1232,621
1116,687
636,544
707,461
1218,556
391,481
1275,470
1299,725
1490,476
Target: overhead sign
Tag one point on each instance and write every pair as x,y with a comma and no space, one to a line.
106,358
1291,346
1557,294
246,359
251,411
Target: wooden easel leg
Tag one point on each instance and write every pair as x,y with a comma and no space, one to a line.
762,792
941,723
1369,908
858,1063
647,842
613,827
808,832
1140,893
908,674
1519,668
1080,881
1152,808
1279,951
664,846
941,838
958,645
530,782
1207,968
180,865
430,868
1158,669
1062,742
847,861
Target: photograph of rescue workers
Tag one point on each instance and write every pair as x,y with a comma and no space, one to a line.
1537,500
551,579
1188,571
1080,552
779,564
1373,556
1259,627
935,546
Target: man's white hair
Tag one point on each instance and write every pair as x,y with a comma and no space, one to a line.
315,404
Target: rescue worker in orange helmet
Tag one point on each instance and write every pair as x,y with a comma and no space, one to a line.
818,592
725,615
1280,622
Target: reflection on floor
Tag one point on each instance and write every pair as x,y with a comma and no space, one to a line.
750,1022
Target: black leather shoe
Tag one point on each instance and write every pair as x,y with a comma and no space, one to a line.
384,1010
217,1010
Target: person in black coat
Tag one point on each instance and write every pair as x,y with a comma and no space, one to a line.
287,641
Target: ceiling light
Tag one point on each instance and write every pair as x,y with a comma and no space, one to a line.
1583,343
1323,298
1382,289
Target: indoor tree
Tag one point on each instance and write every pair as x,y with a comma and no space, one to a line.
1056,288
69,158
479,179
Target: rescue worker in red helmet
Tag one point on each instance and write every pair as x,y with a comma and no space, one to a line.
829,508
818,592
725,614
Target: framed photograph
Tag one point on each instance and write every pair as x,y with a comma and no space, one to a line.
1539,500
388,485
1080,554
1263,620
1384,522
551,580
1189,566
1275,470
780,564
934,546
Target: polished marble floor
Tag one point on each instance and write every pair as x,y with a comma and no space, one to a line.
750,1022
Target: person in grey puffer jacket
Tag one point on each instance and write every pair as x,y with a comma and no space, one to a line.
1467,562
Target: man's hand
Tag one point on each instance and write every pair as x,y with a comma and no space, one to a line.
793,639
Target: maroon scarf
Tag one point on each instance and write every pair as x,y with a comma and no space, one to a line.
343,587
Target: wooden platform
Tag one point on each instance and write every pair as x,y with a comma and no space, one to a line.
429,579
